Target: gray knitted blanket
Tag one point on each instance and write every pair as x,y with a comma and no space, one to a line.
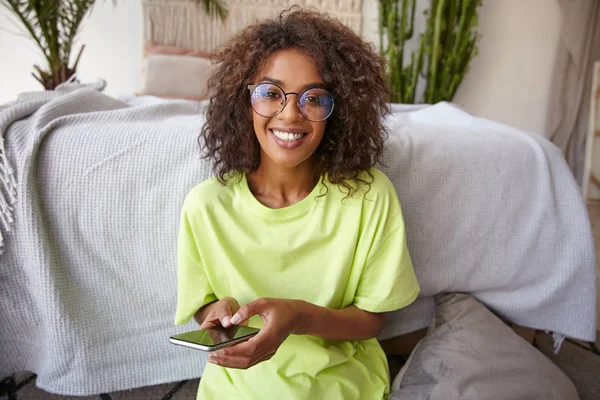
91,190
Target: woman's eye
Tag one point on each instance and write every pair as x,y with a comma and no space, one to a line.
272,95
313,100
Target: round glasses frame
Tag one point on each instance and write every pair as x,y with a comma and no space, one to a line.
285,101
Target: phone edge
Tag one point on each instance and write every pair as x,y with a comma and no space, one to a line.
208,349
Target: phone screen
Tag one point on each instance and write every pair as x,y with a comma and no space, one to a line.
214,338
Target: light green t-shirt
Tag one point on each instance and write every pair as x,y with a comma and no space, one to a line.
330,250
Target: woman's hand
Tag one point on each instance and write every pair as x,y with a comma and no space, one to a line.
281,318
219,313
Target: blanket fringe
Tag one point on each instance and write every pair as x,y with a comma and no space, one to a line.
558,341
8,189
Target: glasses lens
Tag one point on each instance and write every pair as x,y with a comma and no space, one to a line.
267,100
316,104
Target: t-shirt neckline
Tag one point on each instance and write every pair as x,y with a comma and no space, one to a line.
299,208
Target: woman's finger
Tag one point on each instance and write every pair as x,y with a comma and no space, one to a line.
248,310
244,349
225,317
243,362
230,361
230,306
207,323
210,322
261,343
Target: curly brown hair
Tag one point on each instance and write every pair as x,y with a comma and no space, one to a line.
350,67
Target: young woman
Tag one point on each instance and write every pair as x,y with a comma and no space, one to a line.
298,234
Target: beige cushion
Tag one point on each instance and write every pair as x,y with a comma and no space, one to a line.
177,76
469,353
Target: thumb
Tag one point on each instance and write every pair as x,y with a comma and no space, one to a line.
248,310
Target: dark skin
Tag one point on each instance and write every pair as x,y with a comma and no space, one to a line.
283,317
286,175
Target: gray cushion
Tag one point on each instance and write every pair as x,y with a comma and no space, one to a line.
469,353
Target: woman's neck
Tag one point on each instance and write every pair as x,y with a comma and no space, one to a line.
278,187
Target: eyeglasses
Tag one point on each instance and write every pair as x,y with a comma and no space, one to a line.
268,100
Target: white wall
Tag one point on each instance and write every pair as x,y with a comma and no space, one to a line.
113,38
509,81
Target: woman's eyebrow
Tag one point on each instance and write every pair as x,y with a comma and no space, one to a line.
271,80
320,85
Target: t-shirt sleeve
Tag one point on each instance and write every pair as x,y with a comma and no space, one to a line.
388,280
193,288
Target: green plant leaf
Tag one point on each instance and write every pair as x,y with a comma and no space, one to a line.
54,24
216,8
446,47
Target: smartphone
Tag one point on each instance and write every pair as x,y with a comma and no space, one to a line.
216,338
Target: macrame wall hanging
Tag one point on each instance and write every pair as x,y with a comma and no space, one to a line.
185,24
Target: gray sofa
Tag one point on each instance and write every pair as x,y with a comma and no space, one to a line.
88,270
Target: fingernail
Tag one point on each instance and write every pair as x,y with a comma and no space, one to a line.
212,360
226,321
235,319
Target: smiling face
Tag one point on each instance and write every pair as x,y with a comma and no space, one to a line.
288,139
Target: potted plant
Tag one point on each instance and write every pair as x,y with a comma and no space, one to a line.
445,48
54,24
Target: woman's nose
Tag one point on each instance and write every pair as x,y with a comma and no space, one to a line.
291,111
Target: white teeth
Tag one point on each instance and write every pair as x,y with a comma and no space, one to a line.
287,136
